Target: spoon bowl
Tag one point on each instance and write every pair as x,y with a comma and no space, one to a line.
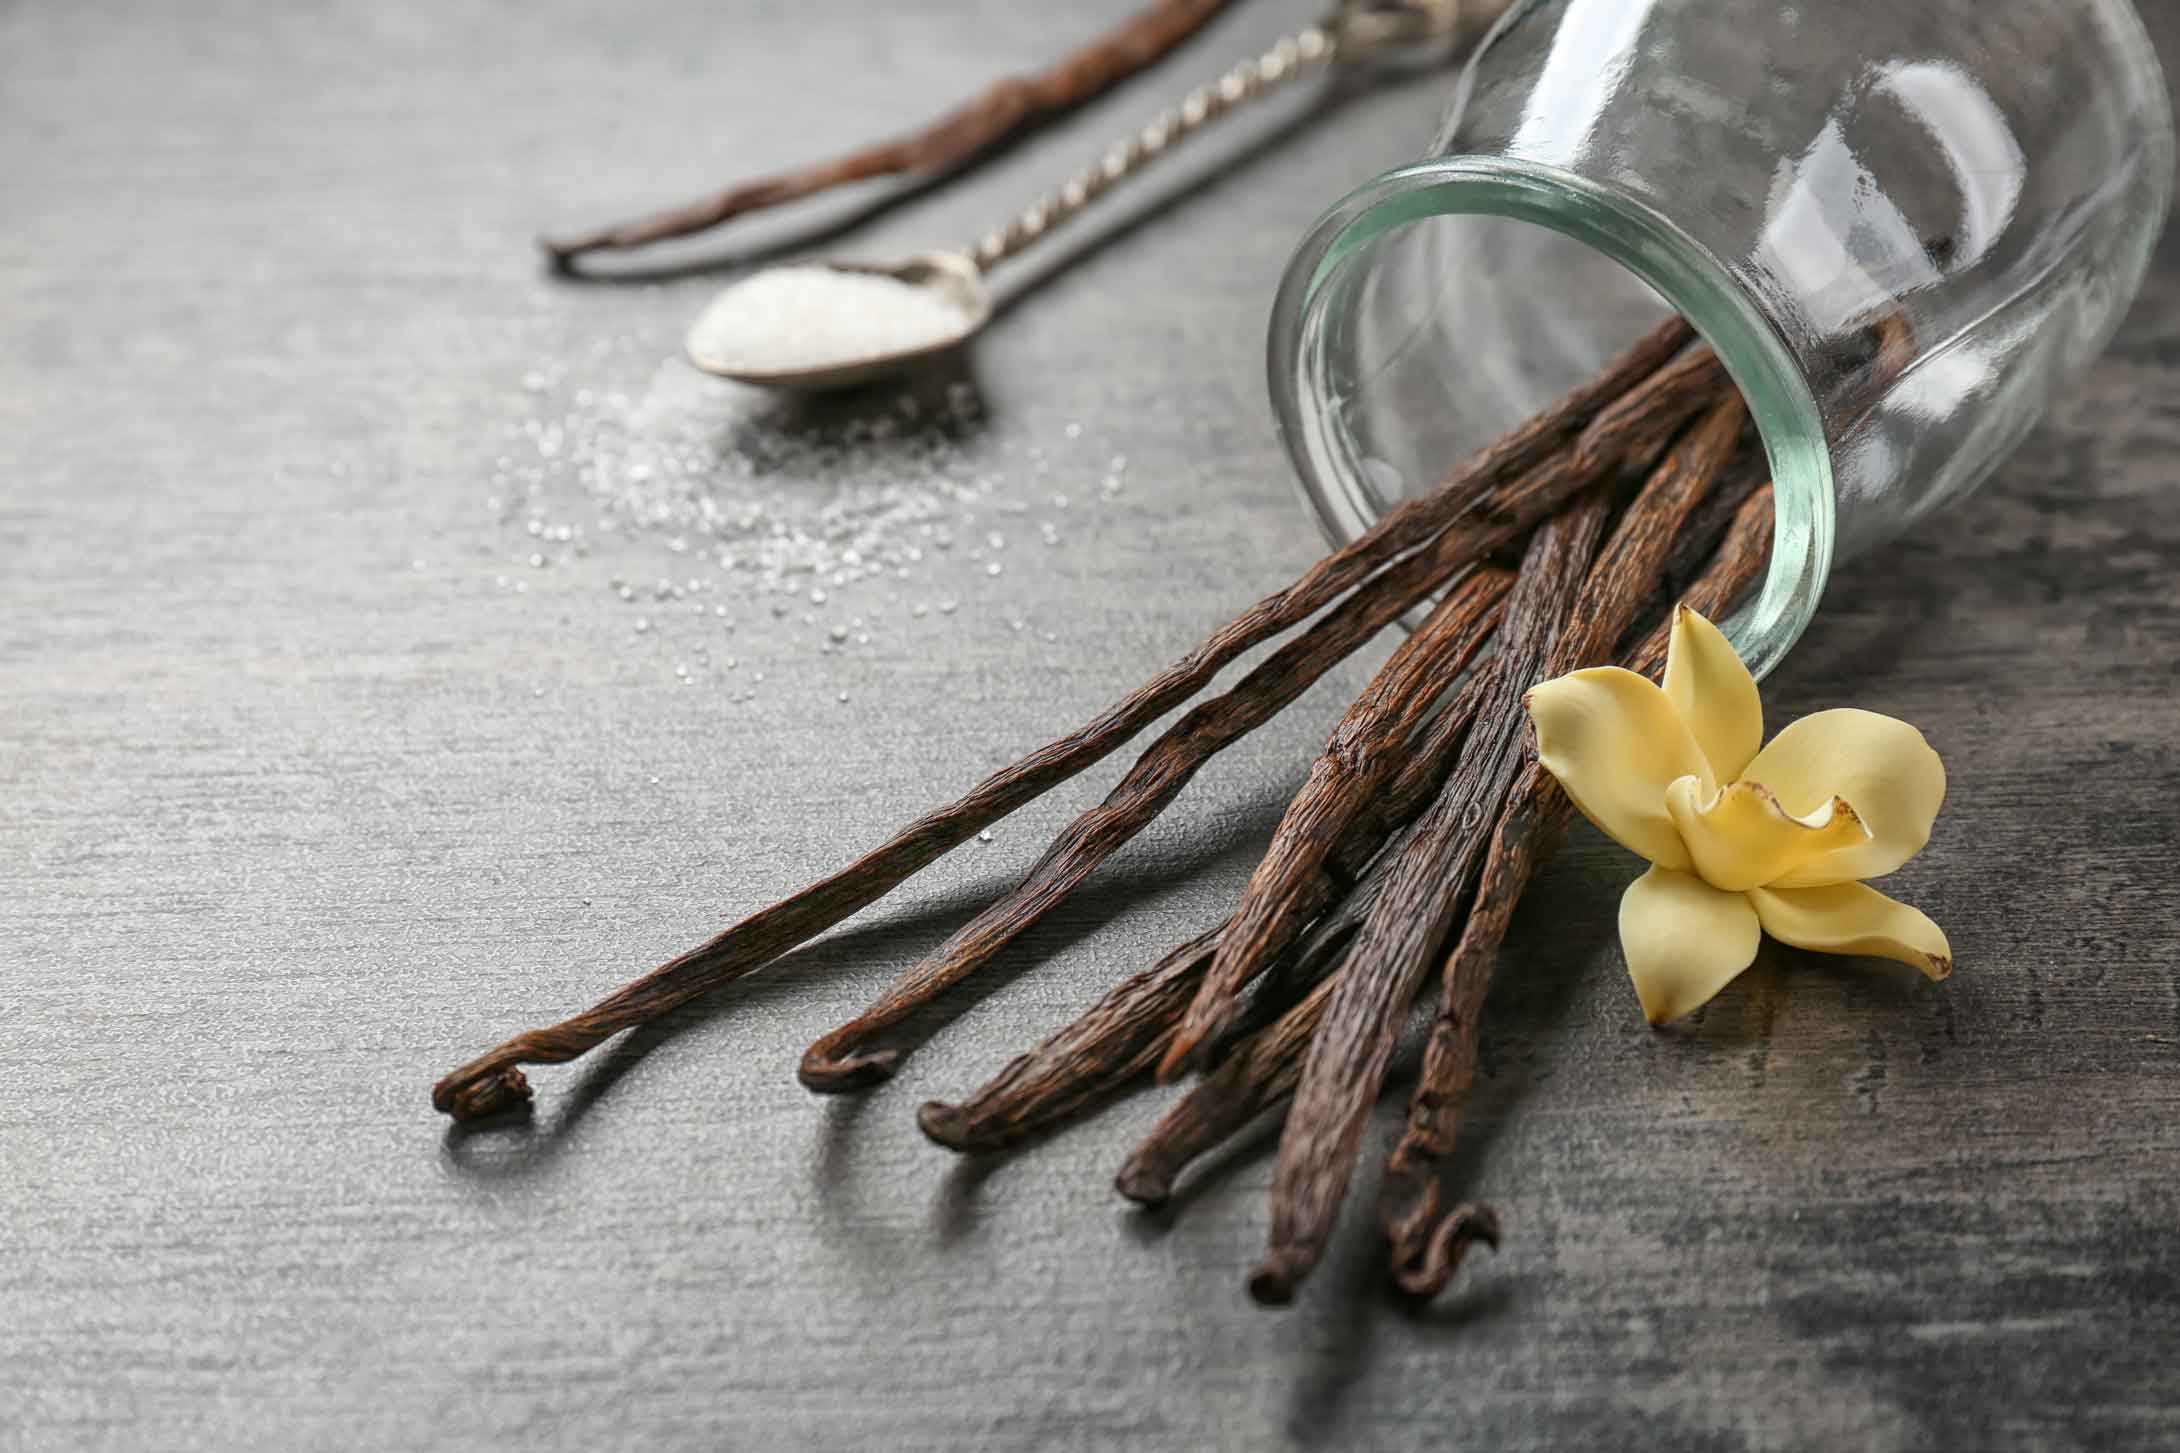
794,328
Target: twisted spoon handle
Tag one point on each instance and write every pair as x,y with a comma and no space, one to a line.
1307,50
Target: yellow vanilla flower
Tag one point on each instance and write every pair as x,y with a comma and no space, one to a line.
1741,842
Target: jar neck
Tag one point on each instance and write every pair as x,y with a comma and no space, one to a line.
1319,283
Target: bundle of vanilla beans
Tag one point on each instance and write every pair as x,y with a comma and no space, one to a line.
1565,544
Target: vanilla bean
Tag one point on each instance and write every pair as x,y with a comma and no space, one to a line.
1258,1074
1265,1070
1426,1236
1412,1204
1426,1233
1353,1047
1264,1061
1085,1063
1707,523
1634,557
1493,498
1318,951
1626,435
845,1059
961,136
1120,1037
1115,1044
1368,745
1738,560
1262,1070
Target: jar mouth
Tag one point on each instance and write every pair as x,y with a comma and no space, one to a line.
1680,270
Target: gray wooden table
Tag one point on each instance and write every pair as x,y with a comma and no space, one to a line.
300,805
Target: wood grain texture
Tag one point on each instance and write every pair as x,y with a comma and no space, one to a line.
284,832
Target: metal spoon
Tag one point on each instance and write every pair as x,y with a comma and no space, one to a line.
956,279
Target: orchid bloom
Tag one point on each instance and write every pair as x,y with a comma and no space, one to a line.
1741,842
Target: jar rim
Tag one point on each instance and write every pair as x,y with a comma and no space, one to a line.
1647,244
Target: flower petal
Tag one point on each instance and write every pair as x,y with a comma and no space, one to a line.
1615,743
1714,694
1740,837
1684,941
1853,918
1883,766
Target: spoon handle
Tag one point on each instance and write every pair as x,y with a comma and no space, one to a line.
1354,28
1293,56
1357,26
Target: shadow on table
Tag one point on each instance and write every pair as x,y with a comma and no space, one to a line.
1347,1306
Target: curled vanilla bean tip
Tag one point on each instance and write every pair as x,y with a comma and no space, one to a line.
831,1075
1424,1270
1144,1183
946,1125
1272,1284
474,1099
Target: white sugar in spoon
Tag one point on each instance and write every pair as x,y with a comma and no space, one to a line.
825,324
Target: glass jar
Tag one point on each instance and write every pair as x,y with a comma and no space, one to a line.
1902,224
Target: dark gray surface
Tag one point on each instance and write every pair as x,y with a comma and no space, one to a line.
286,830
